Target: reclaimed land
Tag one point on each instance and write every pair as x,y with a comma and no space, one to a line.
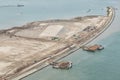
31,47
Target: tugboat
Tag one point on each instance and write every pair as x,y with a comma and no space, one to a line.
62,65
93,48
100,47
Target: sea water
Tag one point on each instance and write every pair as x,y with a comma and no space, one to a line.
35,10
101,65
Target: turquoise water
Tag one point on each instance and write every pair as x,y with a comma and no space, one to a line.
101,65
35,10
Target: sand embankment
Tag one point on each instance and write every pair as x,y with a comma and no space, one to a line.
67,50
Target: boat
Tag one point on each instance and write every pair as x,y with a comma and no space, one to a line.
93,48
62,65
20,5
100,47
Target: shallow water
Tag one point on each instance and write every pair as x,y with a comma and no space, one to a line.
101,65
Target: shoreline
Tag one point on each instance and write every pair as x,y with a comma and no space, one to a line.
73,50
40,65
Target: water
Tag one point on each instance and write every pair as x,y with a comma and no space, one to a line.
101,65
35,10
